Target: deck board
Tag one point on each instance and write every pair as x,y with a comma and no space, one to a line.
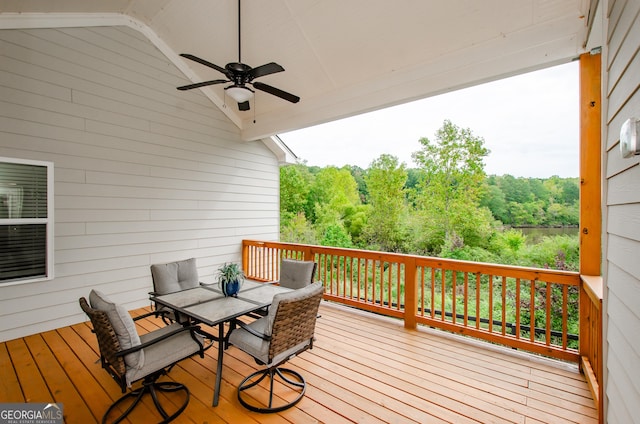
363,368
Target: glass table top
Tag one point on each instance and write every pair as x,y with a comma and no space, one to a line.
207,303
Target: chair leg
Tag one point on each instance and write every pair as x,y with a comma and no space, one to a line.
290,378
152,386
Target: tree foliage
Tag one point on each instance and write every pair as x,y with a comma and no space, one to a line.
386,180
449,194
447,206
525,202
332,193
295,183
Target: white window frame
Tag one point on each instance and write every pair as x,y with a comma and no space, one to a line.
48,221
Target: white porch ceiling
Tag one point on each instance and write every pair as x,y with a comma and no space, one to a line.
342,57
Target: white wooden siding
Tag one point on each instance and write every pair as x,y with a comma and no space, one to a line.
621,66
144,173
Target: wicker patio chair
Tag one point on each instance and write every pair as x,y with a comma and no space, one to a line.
272,340
128,357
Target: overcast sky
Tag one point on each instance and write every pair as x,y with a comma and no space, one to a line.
529,122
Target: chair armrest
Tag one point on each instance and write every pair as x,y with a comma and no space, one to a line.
191,328
252,331
149,314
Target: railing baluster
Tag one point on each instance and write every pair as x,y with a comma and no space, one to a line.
477,312
454,275
359,280
532,311
466,299
518,308
402,294
379,271
389,267
433,293
274,257
443,273
366,281
565,315
548,317
504,305
422,297
490,303
344,276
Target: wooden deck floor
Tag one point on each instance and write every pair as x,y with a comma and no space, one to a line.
363,368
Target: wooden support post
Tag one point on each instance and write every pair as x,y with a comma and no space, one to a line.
410,294
591,220
590,164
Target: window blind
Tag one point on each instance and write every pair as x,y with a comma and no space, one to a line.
23,221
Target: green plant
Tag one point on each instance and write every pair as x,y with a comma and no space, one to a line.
230,274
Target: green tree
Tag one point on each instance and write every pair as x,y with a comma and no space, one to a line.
414,177
297,230
337,236
508,245
493,198
554,189
515,189
385,180
449,195
538,190
295,184
358,175
570,191
525,214
355,221
332,193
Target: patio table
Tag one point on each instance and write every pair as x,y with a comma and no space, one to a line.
206,304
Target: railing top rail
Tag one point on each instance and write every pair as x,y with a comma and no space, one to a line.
593,287
526,273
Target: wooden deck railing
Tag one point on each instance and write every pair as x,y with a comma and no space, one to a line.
591,335
547,312
525,308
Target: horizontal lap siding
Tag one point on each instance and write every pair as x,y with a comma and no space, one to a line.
143,173
622,176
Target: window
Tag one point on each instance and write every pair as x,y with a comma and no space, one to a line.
26,221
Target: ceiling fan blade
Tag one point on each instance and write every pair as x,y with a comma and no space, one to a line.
276,92
243,106
202,84
269,68
204,62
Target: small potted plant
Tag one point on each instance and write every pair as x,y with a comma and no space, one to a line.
230,278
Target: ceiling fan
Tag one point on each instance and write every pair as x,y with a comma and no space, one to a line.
241,75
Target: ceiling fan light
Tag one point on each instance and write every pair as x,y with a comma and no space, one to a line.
239,94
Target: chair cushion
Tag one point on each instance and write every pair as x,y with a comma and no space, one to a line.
164,353
174,276
254,346
122,324
296,274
